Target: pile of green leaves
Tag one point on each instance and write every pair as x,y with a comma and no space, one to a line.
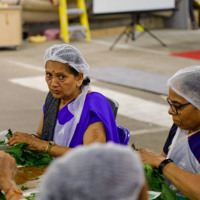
156,183
26,157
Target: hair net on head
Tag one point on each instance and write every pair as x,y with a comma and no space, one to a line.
65,53
186,83
95,172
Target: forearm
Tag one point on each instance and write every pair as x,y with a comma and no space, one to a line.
186,182
55,150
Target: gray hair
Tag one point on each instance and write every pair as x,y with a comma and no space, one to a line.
95,172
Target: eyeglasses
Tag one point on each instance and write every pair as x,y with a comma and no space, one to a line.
175,109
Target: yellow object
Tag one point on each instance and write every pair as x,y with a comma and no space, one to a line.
139,28
198,2
49,146
75,30
37,39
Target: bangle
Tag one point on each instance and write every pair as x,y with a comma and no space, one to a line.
8,190
16,190
49,146
162,164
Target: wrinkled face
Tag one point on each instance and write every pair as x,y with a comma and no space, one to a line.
61,81
188,116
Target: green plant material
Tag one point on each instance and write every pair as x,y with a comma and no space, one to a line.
33,193
30,198
30,172
156,183
26,157
36,178
21,171
2,142
2,196
9,133
24,187
41,167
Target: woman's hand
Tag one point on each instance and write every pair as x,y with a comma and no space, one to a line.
19,137
8,169
150,158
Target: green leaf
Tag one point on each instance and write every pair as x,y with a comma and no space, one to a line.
17,152
26,157
24,187
156,183
36,178
9,133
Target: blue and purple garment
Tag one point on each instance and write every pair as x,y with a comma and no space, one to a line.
96,108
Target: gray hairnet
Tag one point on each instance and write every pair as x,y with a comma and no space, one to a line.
65,53
186,83
95,172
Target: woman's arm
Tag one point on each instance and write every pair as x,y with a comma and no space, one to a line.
8,169
184,181
37,144
39,131
94,133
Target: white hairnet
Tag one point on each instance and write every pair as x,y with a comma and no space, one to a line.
95,172
65,53
186,83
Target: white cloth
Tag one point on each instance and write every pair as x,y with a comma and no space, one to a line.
63,134
182,156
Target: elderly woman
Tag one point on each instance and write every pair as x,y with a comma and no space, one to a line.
73,114
180,160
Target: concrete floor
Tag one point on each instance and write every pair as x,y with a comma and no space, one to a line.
21,106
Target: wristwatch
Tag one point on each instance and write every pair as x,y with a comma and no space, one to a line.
164,163
49,146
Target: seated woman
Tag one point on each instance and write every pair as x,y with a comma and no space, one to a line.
180,160
73,114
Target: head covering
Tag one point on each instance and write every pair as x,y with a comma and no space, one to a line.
95,172
186,83
65,53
